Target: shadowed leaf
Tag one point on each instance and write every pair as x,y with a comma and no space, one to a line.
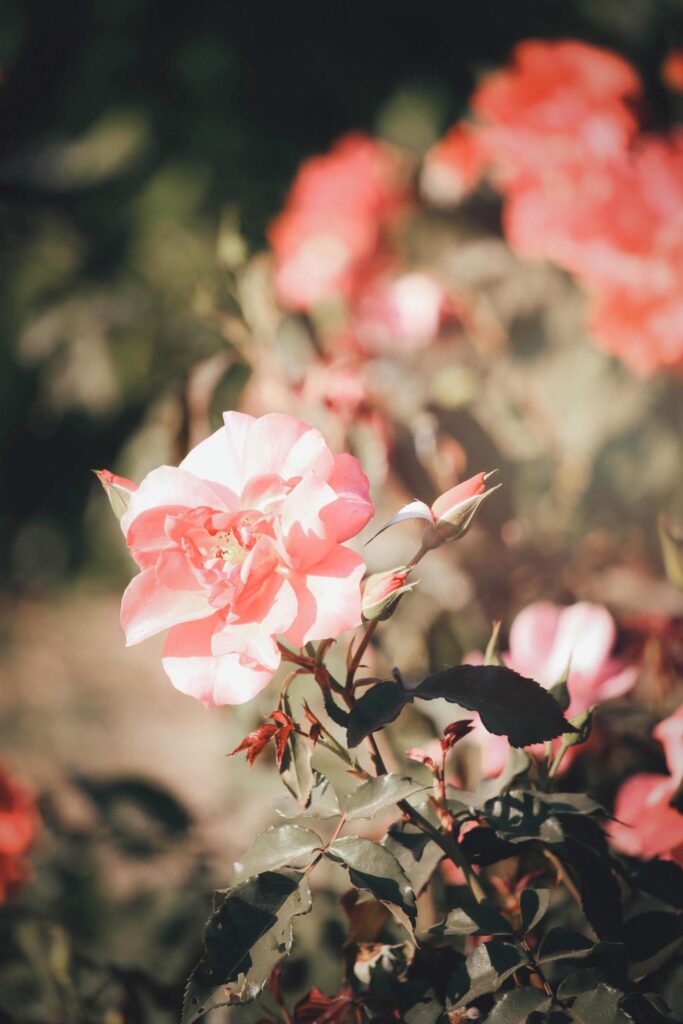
508,704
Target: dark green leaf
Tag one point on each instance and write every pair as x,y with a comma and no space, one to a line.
646,1008
378,706
578,982
418,855
373,868
520,816
601,1006
483,847
248,933
322,803
485,970
563,944
377,794
508,704
426,1012
515,1007
278,847
533,906
296,770
473,919
660,878
585,849
651,938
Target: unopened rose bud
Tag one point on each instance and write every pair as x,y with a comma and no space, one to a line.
118,490
455,510
382,591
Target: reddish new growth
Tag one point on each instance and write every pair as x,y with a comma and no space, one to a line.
279,730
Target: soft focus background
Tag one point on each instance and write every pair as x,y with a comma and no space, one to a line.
145,147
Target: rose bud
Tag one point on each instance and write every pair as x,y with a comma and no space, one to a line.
382,591
455,510
117,489
450,516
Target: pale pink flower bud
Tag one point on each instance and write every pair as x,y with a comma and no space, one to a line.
382,591
454,511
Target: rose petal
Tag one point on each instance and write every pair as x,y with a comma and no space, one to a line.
148,607
329,599
193,668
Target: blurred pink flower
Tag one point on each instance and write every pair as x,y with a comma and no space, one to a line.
557,104
401,312
647,826
545,640
240,543
333,220
453,166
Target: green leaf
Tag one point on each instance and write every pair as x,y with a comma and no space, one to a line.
245,937
660,878
418,855
485,970
563,944
515,1007
508,704
585,850
601,1006
378,794
651,938
373,868
279,846
578,982
296,770
378,706
322,803
533,905
428,1011
473,919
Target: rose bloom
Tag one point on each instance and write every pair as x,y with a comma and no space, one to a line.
333,219
18,826
647,826
545,639
619,227
242,543
557,103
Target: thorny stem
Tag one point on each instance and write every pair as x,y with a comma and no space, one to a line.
537,969
362,647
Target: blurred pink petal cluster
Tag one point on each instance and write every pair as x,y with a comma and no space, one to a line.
333,241
647,825
583,188
243,542
546,640
19,823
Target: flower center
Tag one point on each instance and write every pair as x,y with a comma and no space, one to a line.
229,548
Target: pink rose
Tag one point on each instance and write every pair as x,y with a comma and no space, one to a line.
242,543
647,826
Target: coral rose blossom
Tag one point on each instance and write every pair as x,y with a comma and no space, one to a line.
239,544
646,824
